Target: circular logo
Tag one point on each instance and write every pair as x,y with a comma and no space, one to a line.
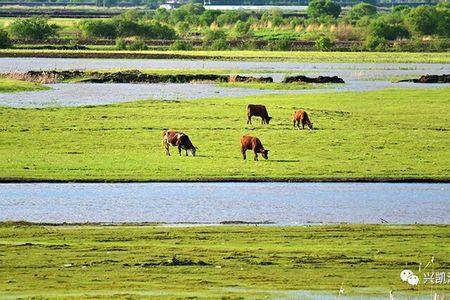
413,280
409,277
405,274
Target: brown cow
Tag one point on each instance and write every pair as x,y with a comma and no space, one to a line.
249,142
179,139
259,111
300,116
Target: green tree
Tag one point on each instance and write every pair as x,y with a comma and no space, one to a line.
5,41
208,17
188,12
380,28
99,29
212,35
320,8
360,10
156,30
423,19
36,28
242,29
161,15
125,27
443,16
231,17
274,16
400,9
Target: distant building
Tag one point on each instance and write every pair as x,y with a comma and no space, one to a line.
172,4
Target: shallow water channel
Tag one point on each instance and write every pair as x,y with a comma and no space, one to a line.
211,203
358,77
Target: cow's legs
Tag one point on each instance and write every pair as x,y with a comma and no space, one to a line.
249,119
166,146
179,150
244,156
262,120
186,152
256,155
294,123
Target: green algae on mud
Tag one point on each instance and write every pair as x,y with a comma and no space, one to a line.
8,85
397,135
276,85
215,261
301,56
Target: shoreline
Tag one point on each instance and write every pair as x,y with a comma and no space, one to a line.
236,180
23,223
288,56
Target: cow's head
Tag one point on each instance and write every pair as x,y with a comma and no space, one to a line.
268,119
193,150
310,125
265,154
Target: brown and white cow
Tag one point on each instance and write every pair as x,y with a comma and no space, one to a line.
249,142
178,139
300,116
259,111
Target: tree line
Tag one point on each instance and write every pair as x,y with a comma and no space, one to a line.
403,28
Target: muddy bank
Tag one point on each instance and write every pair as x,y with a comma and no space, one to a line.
445,78
132,76
6,180
320,79
118,54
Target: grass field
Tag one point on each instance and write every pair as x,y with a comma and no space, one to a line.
8,85
396,134
239,262
302,56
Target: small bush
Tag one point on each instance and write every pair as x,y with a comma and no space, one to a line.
181,45
375,43
280,45
249,45
121,44
382,29
138,44
323,43
213,35
35,28
5,41
220,44
99,29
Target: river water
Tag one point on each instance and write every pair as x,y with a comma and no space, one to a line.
348,71
358,77
212,203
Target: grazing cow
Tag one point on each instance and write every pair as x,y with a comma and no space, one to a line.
179,139
259,111
300,116
249,142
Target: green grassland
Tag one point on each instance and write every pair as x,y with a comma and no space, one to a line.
301,56
219,262
8,85
389,134
276,85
